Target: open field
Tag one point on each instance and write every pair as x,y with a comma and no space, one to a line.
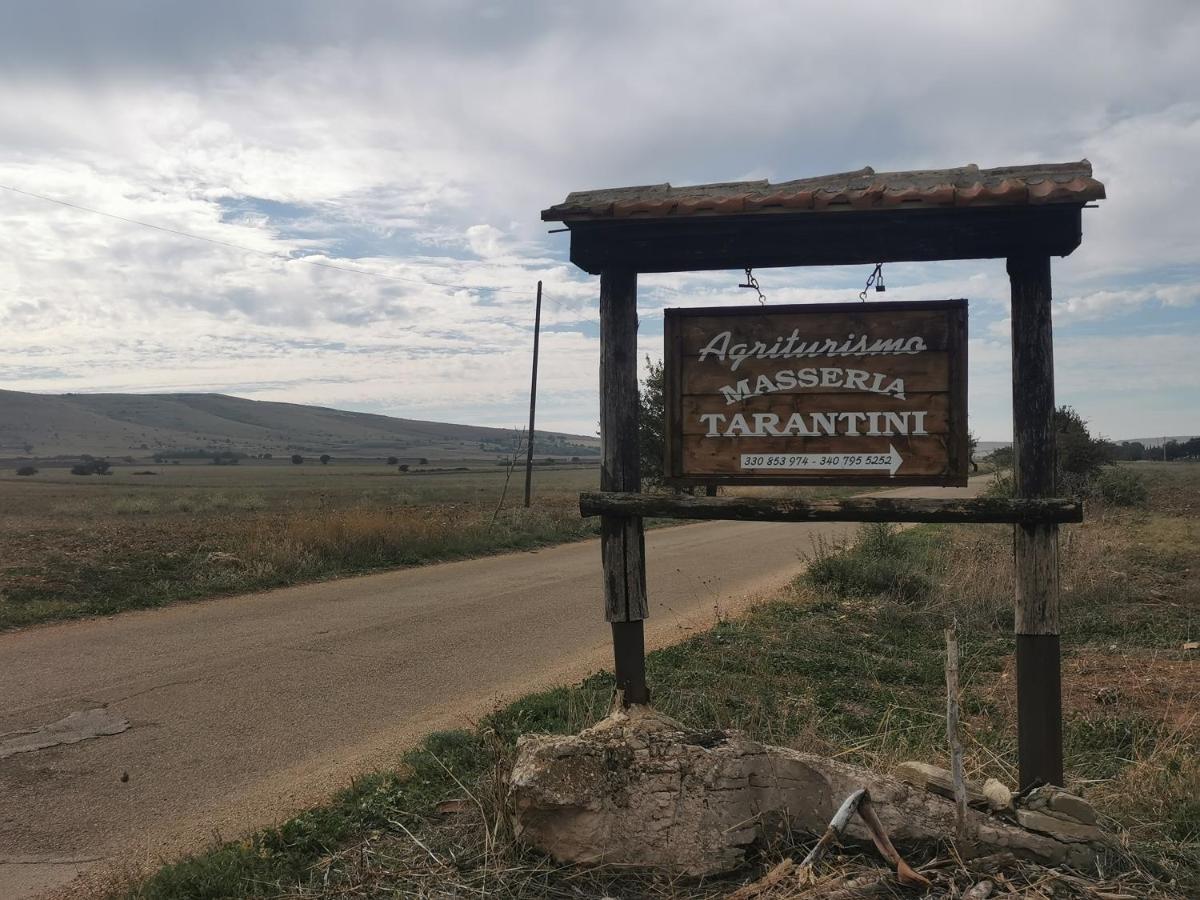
96,545
847,662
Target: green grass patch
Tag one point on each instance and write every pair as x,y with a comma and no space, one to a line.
884,561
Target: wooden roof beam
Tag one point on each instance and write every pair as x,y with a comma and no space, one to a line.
701,243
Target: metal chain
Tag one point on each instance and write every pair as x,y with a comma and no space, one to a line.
752,283
875,278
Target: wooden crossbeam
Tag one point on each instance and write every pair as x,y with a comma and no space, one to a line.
856,509
700,243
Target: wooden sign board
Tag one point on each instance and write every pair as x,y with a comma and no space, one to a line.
836,393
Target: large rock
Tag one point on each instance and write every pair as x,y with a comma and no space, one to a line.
640,789
1061,804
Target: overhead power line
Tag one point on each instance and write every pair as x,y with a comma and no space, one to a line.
268,253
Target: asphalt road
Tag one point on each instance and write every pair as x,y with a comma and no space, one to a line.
244,709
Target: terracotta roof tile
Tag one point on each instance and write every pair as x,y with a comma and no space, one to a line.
863,189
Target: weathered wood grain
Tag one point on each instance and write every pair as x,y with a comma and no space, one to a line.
1033,441
1039,671
699,243
622,542
855,509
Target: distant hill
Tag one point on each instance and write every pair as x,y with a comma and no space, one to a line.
53,425
983,448
1157,441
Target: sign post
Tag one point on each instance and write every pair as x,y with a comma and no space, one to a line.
860,394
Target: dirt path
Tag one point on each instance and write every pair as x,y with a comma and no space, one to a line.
245,709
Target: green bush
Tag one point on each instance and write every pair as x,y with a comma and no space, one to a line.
92,466
1079,453
27,470
884,561
1121,486
1000,486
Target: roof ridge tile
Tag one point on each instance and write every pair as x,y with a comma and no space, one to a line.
1034,183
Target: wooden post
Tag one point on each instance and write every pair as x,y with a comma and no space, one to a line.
622,540
953,739
1039,669
537,328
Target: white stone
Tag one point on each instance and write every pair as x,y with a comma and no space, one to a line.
999,797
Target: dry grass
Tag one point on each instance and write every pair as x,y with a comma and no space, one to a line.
79,546
86,546
847,664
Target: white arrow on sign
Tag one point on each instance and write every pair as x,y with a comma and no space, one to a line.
891,461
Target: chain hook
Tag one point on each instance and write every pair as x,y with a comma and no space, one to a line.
752,283
875,278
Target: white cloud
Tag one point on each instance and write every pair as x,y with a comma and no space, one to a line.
418,141
1105,304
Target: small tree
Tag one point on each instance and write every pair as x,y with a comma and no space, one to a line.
325,458
1001,457
297,459
652,423
972,444
1079,454
1130,451
403,467
27,470
393,461
422,461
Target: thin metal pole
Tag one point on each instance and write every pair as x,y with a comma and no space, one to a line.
537,327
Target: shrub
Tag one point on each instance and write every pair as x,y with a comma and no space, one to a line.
1121,486
403,467
135,506
325,458
91,466
393,460
297,459
1078,452
27,470
1001,457
1001,485
883,562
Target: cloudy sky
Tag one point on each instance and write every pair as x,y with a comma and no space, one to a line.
418,142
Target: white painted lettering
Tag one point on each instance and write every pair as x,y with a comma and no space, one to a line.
713,422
